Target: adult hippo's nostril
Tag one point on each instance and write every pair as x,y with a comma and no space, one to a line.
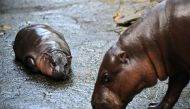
101,105
93,105
104,106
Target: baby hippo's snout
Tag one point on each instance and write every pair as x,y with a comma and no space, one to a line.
61,72
61,66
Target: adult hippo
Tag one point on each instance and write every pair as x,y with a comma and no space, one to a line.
43,49
156,47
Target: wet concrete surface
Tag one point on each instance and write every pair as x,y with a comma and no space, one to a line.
88,28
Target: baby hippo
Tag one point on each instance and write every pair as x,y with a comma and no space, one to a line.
43,49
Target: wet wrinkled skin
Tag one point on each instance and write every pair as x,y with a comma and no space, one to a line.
156,47
42,49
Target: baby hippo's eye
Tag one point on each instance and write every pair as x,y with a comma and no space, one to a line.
106,78
66,65
53,64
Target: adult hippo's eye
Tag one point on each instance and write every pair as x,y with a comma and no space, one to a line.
106,78
126,61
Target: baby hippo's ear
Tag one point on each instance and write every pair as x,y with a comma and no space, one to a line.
30,62
123,57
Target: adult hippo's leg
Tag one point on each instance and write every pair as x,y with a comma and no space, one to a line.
176,84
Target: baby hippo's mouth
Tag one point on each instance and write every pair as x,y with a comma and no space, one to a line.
59,73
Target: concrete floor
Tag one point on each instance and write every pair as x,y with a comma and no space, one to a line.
89,30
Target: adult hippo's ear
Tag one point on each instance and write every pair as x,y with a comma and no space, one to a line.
123,57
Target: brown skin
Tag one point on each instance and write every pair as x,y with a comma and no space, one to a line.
44,50
156,47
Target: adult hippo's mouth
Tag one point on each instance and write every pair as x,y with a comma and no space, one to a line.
109,101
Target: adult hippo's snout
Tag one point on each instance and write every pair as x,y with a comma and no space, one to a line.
107,100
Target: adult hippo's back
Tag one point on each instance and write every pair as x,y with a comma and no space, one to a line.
156,47
43,49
